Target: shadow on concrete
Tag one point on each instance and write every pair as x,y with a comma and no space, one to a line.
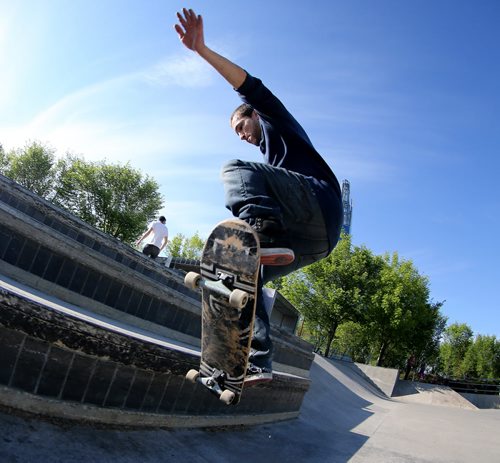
435,394
334,406
408,388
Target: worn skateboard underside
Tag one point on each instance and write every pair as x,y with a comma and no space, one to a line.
232,252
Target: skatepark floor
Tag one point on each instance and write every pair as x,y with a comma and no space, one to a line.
343,418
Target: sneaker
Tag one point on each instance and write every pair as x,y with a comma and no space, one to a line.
256,375
254,353
276,256
274,247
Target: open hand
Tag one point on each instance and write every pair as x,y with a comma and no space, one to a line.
190,29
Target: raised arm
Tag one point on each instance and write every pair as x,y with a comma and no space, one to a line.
190,31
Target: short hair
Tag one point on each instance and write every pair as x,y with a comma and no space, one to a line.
243,110
162,219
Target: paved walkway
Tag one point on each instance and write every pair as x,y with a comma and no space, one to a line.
344,418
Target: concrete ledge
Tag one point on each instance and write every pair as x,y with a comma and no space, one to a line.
92,330
83,275
45,407
61,355
97,308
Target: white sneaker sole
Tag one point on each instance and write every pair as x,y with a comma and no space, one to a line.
258,379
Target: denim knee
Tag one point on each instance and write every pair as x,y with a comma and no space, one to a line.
229,166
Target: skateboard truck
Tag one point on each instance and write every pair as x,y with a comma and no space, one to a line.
214,384
237,298
227,279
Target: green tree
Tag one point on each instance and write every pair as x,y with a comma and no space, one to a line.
32,166
457,338
3,160
333,290
401,294
314,334
482,359
418,348
188,248
117,199
425,340
353,339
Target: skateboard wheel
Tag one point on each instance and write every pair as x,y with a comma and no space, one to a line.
238,298
192,375
192,279
227,397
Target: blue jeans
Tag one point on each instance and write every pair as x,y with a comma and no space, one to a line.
259,190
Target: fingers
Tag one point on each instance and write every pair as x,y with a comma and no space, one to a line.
190,15
179,30
188,19
190,29
200,22
182,21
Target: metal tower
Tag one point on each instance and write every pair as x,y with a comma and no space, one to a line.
346,206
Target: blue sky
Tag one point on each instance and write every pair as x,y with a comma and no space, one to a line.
400,97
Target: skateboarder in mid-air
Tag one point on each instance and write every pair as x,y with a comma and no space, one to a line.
292,200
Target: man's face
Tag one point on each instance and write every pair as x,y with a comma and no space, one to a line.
247,128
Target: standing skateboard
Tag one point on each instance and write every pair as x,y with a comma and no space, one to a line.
229,269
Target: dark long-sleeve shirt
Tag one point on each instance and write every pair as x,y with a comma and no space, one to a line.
284,141
285,144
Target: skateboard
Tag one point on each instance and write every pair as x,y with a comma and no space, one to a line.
228,275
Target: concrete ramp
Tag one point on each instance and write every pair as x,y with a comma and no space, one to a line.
344,418
384,378
339,413
431,394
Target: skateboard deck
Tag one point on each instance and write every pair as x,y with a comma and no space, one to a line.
228,279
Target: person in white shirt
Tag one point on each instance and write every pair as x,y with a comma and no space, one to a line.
159,239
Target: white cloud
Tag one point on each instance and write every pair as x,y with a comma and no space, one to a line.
183,71
110,119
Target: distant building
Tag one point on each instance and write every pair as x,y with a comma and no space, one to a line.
346,206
